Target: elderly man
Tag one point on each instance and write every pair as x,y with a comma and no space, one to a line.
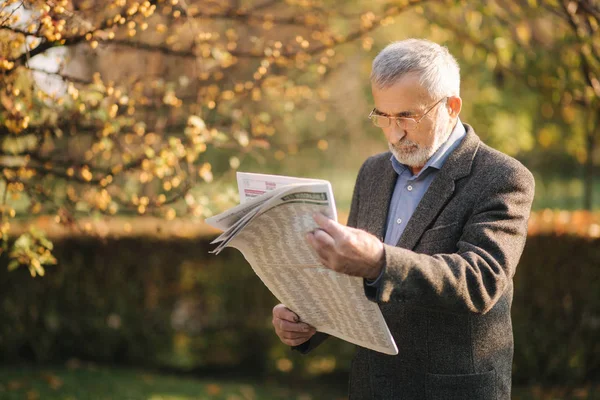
436,227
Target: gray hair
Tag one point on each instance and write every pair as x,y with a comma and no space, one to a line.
438,70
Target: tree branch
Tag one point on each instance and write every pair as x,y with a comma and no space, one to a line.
510,69
11,14
585,66
64,77
242,54
45,45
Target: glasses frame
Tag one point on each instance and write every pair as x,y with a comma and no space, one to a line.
403,122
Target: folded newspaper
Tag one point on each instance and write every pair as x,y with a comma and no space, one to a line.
269,227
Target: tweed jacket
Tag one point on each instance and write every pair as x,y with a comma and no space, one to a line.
447,288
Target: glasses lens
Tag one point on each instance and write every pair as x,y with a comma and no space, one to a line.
380,121
408,124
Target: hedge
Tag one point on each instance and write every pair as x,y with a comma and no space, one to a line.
170,304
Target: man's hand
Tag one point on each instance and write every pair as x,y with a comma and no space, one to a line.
289,328
347,250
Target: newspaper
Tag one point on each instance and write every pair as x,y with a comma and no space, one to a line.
252,185
269,227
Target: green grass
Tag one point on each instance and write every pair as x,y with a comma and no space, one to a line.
102,383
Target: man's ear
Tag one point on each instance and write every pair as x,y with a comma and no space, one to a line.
454,105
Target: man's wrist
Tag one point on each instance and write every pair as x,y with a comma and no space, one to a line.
378,266
369,284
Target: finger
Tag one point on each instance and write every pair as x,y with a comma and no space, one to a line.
326,252
323,239
282,312
297,341
310,238
320,252
295,336
322,256
293,327
321,242
334,229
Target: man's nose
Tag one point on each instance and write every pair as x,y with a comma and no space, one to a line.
396,133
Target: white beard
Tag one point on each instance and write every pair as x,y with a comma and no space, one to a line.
411,154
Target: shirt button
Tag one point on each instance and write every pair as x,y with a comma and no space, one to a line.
409,188
399,221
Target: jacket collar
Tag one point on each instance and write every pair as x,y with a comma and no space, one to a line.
457,166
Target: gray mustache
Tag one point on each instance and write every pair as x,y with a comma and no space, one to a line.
405,143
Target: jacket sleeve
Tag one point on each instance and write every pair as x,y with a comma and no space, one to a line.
320,337
475,277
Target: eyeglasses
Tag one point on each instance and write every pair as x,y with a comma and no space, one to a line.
405,123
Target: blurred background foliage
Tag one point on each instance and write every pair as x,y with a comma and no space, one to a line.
162,303
120,120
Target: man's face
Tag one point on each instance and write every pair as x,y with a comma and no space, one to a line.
407,98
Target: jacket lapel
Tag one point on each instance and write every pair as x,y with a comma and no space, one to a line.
381,191
440,191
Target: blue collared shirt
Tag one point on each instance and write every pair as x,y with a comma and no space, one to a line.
410,189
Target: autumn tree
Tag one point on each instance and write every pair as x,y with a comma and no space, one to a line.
551,47
122,106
